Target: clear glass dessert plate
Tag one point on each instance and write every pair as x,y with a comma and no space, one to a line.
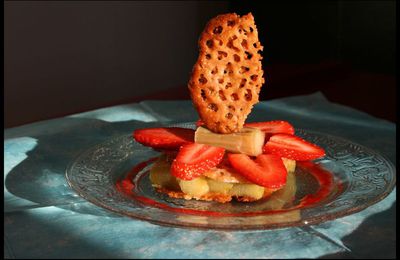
115,175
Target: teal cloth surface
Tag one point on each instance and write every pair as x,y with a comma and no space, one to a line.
44,218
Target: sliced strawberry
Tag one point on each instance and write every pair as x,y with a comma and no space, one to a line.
194,159
273,127
164,137
292,147
266,170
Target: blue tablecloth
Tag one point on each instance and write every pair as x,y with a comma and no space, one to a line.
44,218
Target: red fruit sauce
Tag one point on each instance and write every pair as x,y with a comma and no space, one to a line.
323,177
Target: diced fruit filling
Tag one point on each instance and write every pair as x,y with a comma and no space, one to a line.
160,174
219,187
196,187
248,190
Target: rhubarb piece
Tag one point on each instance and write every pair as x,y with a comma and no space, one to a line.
248,140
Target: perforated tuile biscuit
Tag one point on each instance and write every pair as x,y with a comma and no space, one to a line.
227,77
211,196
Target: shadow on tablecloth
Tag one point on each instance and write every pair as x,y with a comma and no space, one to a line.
38,177
382,238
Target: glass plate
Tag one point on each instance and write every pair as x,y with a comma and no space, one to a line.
351,178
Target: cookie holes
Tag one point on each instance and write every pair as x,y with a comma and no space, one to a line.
203,95
208,56
228,85
214,71
235,97
232,108
242,30
217,30
244,69
220,81
210,44
222,95
255,45
213,107
202,79
229,115
231,23
248,55
236,57
242,83
244,43
251,29
248,96
230,43
254,77
229,68
222,54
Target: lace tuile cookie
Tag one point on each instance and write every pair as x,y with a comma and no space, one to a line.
211,196
227,77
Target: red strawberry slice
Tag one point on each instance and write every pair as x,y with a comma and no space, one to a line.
292,147
164,137
194,159
273,127
266,170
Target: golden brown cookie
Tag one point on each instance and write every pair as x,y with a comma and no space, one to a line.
211,196
227,77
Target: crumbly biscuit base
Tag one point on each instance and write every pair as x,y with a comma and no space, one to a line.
227,77
211,196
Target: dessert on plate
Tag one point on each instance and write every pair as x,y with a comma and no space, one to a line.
225,158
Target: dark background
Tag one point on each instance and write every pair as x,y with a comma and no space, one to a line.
67,57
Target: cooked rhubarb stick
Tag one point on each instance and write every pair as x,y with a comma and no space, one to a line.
248,141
